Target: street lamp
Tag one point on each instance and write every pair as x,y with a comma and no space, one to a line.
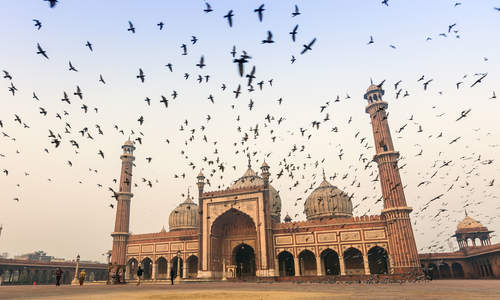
178,278
110,266
75,279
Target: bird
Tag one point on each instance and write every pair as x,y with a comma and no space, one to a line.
184,49
100,153
370,41
52,3
71,67
141,75
233,52
169,66
296,11
451,26
496,8
101,79
208,8
201,64
131,27
293,33
160,25
479,80
293,59
494,95
308,46
41,51
229,17
385,2
237,91
65,98
194,39
141,120
463,114
251,76
269,38
259,11
89,45
37,24
78,92
6,75
240,62
427,83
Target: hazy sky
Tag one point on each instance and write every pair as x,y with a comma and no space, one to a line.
61,208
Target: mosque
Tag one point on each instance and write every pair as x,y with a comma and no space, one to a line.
237,232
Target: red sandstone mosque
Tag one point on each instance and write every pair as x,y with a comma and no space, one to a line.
237,231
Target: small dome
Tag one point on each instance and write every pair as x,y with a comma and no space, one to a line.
250,179
184,216
372,87
469,223
128,143
327,201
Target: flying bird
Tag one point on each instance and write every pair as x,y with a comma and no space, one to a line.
201,64
208,8
229,17
89,45
37,24
269,38
296,11
308,46
294,32
41,51
259,11
131,27
141,75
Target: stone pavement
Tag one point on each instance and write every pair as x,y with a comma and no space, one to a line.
440,289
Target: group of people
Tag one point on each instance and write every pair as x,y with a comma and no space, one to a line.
116,277
59,275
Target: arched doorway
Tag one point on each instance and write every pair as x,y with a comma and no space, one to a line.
230,226
444,270
131,270
161,266
330,262
353,261
307,263
458,271
244,260
192,266
286,264
433,271
378,260
147,266
175,268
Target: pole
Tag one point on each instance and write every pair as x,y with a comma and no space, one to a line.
75,279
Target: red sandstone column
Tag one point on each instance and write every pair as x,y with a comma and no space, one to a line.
124,195
200,184
396,212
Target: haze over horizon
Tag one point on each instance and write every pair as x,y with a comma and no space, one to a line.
62,194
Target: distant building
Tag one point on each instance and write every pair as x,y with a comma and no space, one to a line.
35,256
476,257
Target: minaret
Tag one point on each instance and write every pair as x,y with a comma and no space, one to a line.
121,232
201,184
403,250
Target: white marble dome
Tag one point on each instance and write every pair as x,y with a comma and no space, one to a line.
184,216
327,201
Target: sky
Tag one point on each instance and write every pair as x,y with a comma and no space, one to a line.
64,210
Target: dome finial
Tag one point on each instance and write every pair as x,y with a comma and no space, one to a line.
324,177
249,161
466,212
371,80
189,197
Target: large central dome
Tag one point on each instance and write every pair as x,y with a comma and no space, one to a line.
327,201
250,179
185,216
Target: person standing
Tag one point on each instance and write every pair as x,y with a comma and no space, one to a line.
59,273
81,277
172,275
139,275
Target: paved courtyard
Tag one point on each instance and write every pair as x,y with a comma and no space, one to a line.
444,289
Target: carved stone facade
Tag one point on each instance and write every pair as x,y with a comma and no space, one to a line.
237,232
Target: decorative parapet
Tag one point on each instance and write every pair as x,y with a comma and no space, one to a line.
329,221
229,191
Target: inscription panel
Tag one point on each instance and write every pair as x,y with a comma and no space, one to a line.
176,246
161,247
133,249
350,236
192,246
304,238
375,234
283,240
327,237
147,248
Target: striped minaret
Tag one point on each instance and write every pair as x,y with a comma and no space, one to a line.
402,247
122,220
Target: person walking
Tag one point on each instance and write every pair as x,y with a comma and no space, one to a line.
139,275
81,278
172,275
59,273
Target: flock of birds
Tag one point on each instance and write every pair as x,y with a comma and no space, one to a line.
292,167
